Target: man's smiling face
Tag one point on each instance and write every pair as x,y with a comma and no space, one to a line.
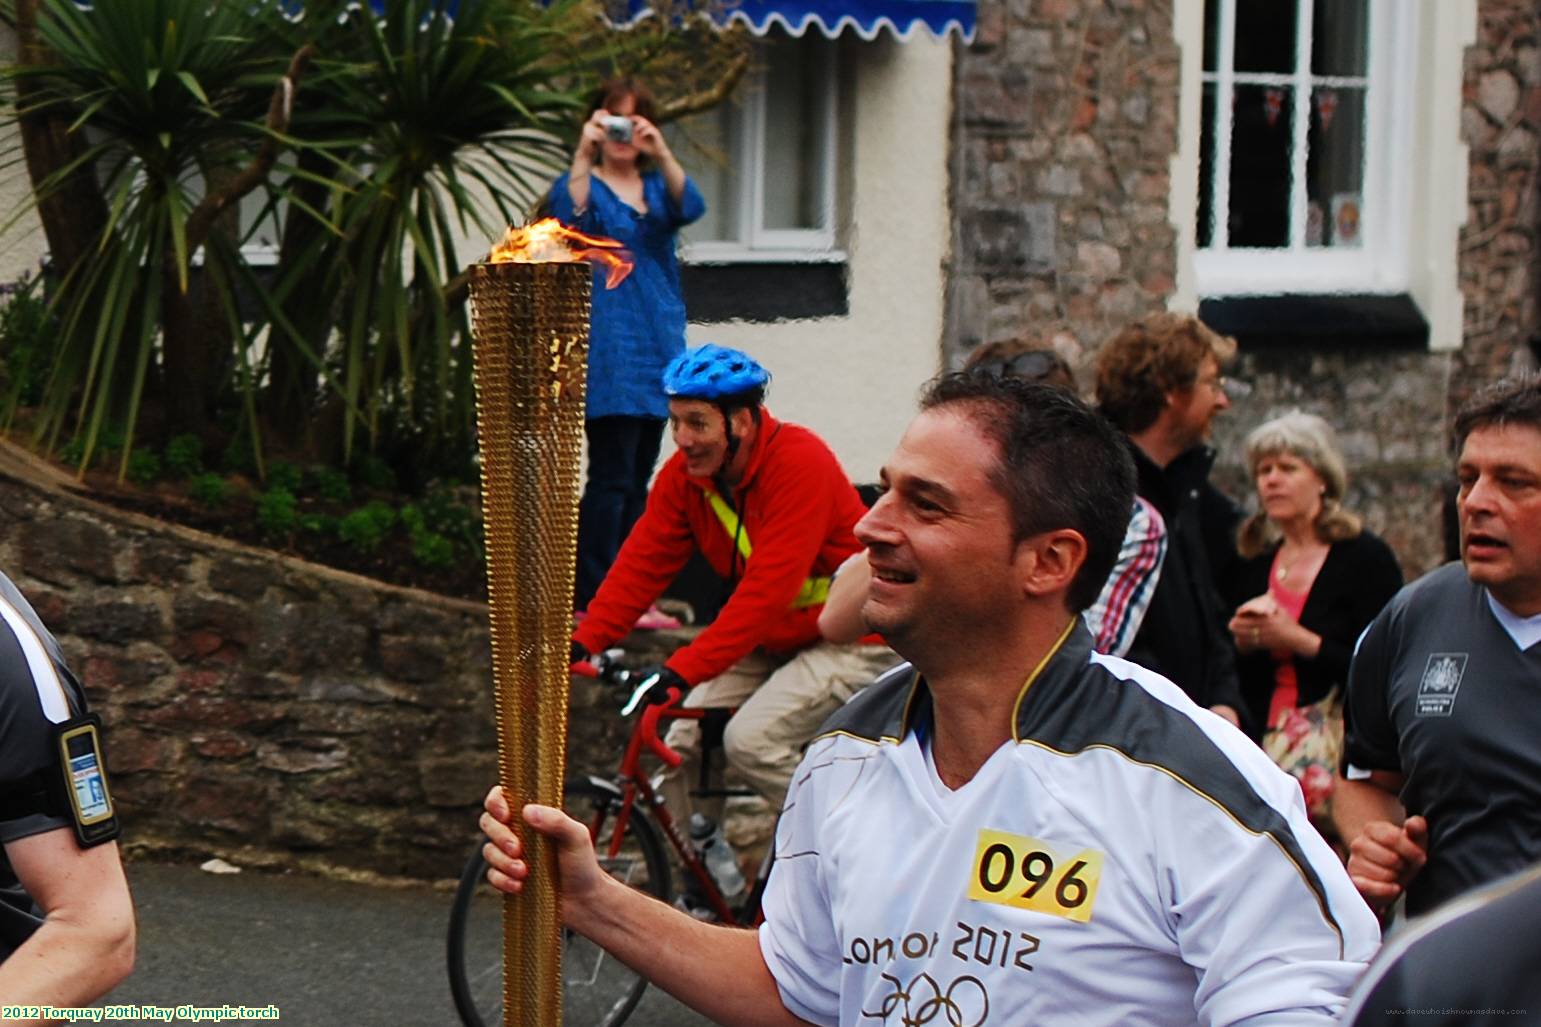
940,538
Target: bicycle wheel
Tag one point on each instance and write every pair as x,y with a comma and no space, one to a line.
597,989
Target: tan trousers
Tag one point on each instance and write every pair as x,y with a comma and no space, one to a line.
781,703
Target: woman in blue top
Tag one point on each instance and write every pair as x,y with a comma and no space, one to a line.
628,186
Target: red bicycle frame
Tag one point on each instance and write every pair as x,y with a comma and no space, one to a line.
634,784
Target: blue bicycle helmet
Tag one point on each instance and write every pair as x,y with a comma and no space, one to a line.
711,373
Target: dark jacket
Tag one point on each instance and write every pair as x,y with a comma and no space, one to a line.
1183,636
1358,577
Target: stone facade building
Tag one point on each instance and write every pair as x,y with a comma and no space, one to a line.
1072,188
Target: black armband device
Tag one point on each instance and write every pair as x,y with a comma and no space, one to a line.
82,780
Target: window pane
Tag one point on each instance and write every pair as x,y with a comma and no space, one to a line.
1206,225
1335,167
259,222
1340,37
794,135
1260,166
706,145
1211,35
1265,35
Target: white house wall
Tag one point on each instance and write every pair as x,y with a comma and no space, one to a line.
854,379
22,245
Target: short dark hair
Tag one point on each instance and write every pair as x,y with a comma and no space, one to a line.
752,400
1061,464
1515,400
1157,354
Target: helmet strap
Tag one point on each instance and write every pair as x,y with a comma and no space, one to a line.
733,439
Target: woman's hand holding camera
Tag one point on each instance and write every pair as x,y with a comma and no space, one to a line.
618,129
646,137
590,138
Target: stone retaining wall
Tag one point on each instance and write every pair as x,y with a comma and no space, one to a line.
267,710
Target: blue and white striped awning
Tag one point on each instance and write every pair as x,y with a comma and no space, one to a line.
866,18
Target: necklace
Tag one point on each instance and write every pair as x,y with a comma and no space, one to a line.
1282,572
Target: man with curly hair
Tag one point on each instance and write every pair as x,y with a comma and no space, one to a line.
1159,381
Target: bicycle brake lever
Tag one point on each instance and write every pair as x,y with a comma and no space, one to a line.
639,693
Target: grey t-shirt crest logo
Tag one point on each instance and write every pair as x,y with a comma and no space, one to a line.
1441,681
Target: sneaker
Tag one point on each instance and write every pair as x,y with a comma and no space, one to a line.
656,620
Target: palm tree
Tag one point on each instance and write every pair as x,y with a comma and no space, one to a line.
378,140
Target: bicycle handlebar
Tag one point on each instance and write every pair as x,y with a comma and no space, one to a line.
646,729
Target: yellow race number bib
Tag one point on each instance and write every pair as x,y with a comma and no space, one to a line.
1028,873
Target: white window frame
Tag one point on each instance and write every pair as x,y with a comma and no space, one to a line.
759,243
1380,263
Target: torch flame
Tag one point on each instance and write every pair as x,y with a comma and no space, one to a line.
548,239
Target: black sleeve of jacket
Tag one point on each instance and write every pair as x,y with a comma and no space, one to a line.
1224,684
1376,577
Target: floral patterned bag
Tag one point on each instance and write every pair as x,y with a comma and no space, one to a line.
1306,742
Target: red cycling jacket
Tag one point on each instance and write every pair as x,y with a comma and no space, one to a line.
797,508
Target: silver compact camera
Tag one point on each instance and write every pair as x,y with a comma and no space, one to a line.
617,128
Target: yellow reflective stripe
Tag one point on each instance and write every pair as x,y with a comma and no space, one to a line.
729,521
815,591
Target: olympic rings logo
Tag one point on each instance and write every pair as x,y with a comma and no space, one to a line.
924,1001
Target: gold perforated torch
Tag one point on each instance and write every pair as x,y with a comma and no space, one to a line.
530,323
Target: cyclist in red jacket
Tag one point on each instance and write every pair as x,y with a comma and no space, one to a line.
768,506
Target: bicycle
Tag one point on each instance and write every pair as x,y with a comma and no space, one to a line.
629,824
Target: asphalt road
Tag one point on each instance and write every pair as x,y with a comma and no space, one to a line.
324,952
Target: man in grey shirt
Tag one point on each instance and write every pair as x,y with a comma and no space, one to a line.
1441,782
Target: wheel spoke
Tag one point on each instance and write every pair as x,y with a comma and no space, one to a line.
597,989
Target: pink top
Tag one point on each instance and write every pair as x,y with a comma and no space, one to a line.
1286,689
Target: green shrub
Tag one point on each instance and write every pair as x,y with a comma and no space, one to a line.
28,338
330,484
109,443
365,528
72,452
184,456
375,473
239,457
318,524
412,519
143,467
209,489
454,520
277,513
431,549
283,475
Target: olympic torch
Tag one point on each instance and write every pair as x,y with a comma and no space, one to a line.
530,325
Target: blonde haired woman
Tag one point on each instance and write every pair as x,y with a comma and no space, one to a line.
1310,580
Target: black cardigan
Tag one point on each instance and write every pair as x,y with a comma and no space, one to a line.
1357,578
